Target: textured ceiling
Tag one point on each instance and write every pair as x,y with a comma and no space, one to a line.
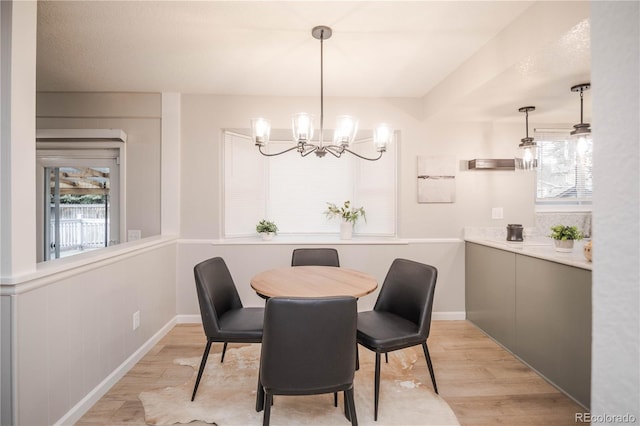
378,49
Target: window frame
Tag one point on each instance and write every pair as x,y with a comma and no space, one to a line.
559,203
49,152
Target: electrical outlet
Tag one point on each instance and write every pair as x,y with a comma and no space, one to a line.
497,213
136,320
134,234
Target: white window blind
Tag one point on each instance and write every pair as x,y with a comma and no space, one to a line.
244,186
293,191
564,174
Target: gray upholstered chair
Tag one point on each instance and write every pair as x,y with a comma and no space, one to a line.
223,317
308,347
401,316
315,257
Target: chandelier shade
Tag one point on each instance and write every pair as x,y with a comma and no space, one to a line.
345,131
527,158
260,130
303,125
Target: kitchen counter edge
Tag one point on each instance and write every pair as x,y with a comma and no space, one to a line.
575,258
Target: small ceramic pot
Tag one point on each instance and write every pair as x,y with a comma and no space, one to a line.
266,236
563,246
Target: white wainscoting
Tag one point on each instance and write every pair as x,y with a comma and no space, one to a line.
246,260
72,329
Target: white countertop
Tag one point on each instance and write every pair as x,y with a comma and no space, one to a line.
540,247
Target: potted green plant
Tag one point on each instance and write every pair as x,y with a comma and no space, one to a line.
267,229
563,237
349,216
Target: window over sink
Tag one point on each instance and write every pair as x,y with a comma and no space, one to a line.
565,170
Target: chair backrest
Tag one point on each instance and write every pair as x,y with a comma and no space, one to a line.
217,293
407,291
315,257
308,344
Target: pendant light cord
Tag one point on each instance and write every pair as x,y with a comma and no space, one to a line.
321,142
581,99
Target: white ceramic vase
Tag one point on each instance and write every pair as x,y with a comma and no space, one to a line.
346,230
266,236
563,246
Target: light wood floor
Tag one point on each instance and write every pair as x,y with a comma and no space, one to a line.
483,383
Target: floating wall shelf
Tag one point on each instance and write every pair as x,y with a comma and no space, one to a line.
492,164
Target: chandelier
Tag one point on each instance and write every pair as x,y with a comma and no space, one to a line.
303,125
527,159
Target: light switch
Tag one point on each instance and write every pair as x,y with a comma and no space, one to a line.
497,213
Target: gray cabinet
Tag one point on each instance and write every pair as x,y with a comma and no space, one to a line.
541,313
490,293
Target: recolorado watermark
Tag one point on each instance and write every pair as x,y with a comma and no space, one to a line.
604,418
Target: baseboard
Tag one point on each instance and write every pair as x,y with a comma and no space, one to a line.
73,415
439,316
449,316
189,319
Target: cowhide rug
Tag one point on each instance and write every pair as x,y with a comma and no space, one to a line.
227,395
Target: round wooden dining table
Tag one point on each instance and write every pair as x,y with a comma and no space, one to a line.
313,281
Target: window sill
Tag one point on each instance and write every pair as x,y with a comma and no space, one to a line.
71,265
310,240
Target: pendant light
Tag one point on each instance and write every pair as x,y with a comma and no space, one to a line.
581,132
527,158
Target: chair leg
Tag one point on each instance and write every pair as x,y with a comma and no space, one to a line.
386,357
260,397
357,358
205,355
335,399
352,407
377,387
347,411
433,376
224,349
267,409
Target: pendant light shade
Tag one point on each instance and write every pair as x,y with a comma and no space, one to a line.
527,157
582,131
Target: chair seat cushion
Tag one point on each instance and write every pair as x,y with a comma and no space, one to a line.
243,324
383,331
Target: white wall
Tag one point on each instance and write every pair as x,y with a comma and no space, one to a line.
425,225
17,230
615,384
204,117
17,168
